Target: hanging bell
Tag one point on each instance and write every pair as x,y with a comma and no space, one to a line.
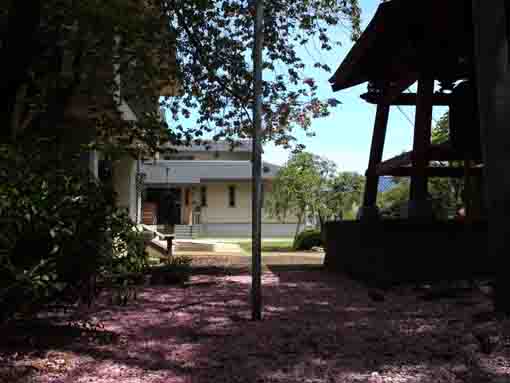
465,121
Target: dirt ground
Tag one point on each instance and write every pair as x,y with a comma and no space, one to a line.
269,259
317,328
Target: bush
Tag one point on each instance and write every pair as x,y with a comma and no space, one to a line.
176,270
308,239
58,230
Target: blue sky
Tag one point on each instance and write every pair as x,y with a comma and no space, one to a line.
345,135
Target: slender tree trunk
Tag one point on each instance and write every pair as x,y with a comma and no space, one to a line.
321,222
298,227
256,290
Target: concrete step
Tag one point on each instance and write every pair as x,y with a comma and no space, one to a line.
187,231
190,246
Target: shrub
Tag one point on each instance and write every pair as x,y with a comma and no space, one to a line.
176,270
58,230
308,239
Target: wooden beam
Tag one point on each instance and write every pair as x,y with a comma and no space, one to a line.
344,75
439,99
441,153
440,172
396,88
376,152
422,137
468,192
395,162
444,152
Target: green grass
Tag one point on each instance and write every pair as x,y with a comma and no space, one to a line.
269,246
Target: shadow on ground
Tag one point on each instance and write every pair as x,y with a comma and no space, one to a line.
318,327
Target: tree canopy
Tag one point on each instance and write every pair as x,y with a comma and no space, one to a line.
64,67
93,74
311,186
215,66
446,193
75,58
345,195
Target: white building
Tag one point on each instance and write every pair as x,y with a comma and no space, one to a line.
123,171
206,191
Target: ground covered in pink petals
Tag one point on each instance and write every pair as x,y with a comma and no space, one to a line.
317,328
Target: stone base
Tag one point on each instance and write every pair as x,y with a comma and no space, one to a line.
421,210
397,251
368,213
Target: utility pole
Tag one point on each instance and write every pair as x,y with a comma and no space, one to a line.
256,269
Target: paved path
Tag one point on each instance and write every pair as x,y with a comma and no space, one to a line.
224,254
244,260
202,246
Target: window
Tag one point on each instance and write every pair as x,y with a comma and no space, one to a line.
232,196
203,196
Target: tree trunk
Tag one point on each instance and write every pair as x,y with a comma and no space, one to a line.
321,222
298,227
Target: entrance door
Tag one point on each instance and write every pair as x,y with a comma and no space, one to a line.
173,207
168,205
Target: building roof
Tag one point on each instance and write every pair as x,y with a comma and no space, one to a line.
194,172
406,38
216,146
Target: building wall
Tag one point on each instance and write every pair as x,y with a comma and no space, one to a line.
243,230
211,156
218,210
124,181
208,155
189,172
220,220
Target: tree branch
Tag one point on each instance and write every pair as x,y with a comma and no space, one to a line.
205,61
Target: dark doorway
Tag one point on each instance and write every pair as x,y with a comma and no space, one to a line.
169,205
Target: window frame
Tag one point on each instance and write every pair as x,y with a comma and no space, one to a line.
232,196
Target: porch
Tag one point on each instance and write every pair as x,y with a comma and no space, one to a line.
171,210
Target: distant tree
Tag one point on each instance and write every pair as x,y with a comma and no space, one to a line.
310,186
294,188
441,131
342,197
446,193
392,200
